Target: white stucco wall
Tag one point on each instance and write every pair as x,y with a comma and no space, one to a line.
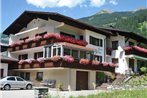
65,76
4,66
98,50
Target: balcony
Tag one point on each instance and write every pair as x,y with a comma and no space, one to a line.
66,62
136,50
48,38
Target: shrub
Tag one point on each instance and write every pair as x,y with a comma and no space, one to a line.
55,58
68,58
143,69
84,61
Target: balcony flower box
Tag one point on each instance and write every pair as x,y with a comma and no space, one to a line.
33,44
36,65
25,46
68,58
26,66
43,42
95,62
10,49
105,64
17,48
41,60
55,58
84,61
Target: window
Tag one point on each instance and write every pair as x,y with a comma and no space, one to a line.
96,41
27,77
21,74
81,37
66,51
1,73
114,60
47,52
82,54
99,58
19,79
41,34
65,34
75,53
23,56
11,79
114,45
39,76
38,55
131,44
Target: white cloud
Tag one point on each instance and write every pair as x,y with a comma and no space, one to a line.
113,2
69,3
55,3
97,3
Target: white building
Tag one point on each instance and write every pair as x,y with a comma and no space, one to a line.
51,36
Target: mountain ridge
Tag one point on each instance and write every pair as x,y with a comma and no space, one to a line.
133,21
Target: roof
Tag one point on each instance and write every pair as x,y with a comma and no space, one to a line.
28,16
128,34
75,46
7,59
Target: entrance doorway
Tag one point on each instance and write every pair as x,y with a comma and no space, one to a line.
82,80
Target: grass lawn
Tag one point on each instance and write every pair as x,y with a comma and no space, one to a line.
119,94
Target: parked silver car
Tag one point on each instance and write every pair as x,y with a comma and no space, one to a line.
14,82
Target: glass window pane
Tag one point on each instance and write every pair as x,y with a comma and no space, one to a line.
49,51
82,54
54,51
66,51
27,76
39,76
75,53
19,79
11,79
59,51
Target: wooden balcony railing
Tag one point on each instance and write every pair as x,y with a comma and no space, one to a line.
48,38
136,50
62,63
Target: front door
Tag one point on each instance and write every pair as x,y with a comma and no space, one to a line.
82,80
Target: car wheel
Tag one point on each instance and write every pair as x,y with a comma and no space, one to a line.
29,86
7,87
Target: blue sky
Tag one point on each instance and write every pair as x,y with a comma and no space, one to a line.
11,9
